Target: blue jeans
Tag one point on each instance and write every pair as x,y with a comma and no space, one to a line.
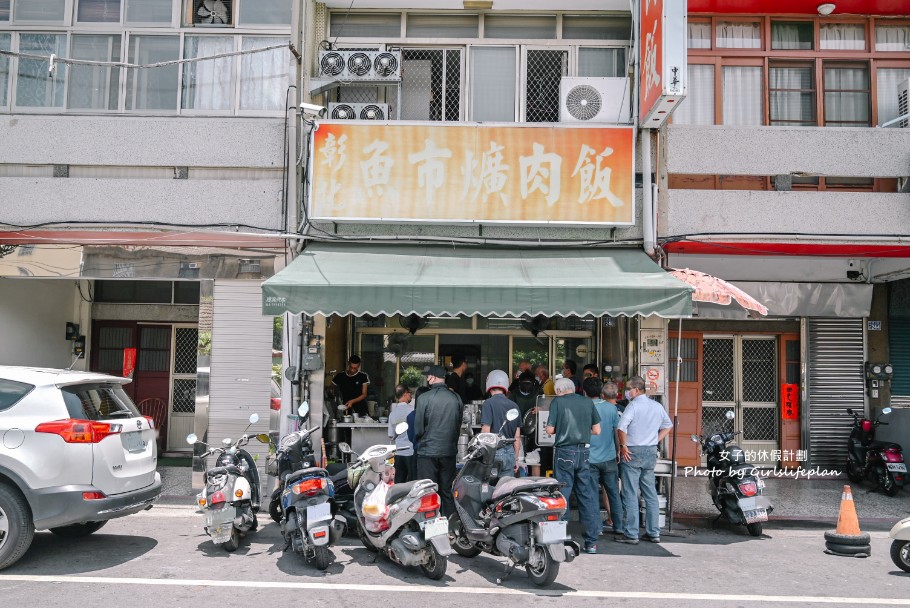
639,473
571,467
606,474
505,461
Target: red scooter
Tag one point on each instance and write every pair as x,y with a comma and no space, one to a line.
881,462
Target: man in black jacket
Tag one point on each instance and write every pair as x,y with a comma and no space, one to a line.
438,418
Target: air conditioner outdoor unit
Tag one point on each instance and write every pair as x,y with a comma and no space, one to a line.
903,103
359,111
360,65
595,100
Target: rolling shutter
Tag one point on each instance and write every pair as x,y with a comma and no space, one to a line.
899,342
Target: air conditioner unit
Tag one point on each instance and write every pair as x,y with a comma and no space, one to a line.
359,111
360,65
595,100
903,103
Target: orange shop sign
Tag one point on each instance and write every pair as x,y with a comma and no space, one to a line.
477,173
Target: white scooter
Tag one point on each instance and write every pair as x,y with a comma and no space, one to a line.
900,546
401,520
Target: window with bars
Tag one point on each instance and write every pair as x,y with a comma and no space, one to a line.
431,84
688,352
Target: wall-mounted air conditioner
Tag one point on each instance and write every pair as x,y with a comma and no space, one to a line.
903,103
359,111
595,100
360,65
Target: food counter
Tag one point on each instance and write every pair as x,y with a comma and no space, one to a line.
366,434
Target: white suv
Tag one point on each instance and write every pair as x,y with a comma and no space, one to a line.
74,453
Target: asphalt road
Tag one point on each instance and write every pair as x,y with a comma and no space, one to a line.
163,558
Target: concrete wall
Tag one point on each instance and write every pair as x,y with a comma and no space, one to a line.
33,317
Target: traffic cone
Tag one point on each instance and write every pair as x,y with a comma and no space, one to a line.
847,540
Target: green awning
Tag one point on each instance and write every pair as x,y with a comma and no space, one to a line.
342,279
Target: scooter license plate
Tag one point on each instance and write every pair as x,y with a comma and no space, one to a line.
436,527
552,531
318,512
897,467
756,516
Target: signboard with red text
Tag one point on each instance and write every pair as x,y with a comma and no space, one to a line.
662,56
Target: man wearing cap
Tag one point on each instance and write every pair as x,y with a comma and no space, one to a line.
437,421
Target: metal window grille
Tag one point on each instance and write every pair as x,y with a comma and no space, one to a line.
760,424
185,346
759,371
688,369
184,396
713,420
717,384
545,69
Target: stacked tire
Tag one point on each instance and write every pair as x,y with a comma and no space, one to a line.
848,545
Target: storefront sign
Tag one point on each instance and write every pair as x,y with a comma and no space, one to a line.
653,346
662,53
655,379
789,401
129,362
477,173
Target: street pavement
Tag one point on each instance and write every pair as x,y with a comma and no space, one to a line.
163,558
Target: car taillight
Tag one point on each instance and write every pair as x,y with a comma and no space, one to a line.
894,455
73,430
748,488
429,502
217,498
151,421
93,495
310,487
275,403
557,502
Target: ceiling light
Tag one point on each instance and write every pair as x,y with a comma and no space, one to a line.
826,9
478,5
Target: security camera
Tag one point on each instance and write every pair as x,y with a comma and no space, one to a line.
311,110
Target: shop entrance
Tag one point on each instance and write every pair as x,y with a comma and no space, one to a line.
740,374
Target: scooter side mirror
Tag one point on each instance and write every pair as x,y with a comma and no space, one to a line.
512,414
263,438
192,438
694,437
730,415
254,418
401,428
886,410
226,441
345,448
303,409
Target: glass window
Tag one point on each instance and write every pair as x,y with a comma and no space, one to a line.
698,106
688,351
842,37
738,35
4,10
365,25
850,182
98,402
388,357
792,36
520,26
186,292
545,69
207,85
493,90
892,38
133,292
847,96
153,88
699,35
264,76
149,11
498,323
443,26
590,27
888,81
94,87
536,350
265,12
12,392
50,11
601,62
431,84
792,96
211,13
5,42
742,95
98,11
36,88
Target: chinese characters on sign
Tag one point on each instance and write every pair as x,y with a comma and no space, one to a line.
473,174
652,50
129,362
789,401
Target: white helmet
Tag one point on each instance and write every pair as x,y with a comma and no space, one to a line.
498,379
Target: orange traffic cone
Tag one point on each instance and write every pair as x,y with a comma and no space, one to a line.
847,540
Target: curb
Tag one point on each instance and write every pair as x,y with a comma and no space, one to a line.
874,524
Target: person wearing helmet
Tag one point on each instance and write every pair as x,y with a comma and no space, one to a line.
493,418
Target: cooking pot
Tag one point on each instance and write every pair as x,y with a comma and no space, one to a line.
348,419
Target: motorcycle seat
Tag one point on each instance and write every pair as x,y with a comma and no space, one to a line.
339,476
510,485
399,491
882,445
309,472
334,468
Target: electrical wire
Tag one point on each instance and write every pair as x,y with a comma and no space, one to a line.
346,15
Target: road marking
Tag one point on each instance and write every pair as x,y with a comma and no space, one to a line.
635,595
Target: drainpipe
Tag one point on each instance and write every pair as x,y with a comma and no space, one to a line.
647,198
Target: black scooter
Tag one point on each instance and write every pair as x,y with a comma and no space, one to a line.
735,485
293,453
520,518
882,462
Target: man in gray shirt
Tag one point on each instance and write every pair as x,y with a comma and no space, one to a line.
643,425
404,453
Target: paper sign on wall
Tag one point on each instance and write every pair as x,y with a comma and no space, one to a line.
655,379
789,401
129,362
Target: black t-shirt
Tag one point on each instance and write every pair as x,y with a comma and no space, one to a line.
457,384
351,387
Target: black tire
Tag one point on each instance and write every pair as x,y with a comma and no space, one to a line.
754,529
546,573
363,539
435,568
900,554
460,542
856,476
891,490
849,549
233,543
78,530
859,540
16,541
322,558
275,510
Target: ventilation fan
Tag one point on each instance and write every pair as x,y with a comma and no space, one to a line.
359,111
583,102
342,111
602,100
413,322
536,325
359,64
213,12
385,64
372,112
331,64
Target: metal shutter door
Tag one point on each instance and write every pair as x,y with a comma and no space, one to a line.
836,360
899,342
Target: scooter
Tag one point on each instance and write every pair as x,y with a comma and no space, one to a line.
231,498
900,546
400,520
293,453
879,461
735,486
520,518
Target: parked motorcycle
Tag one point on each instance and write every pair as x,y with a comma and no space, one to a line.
882,462
900,546
293,453
735,486
520,518
400,520
231,498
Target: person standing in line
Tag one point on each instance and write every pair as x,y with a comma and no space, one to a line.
604,462
353,384
404,452
456,380
589,371
437,421
643,425
493,418
573,420
546,383
569,370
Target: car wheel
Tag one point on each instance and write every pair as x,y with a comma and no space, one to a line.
900,554
78,530
16,527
